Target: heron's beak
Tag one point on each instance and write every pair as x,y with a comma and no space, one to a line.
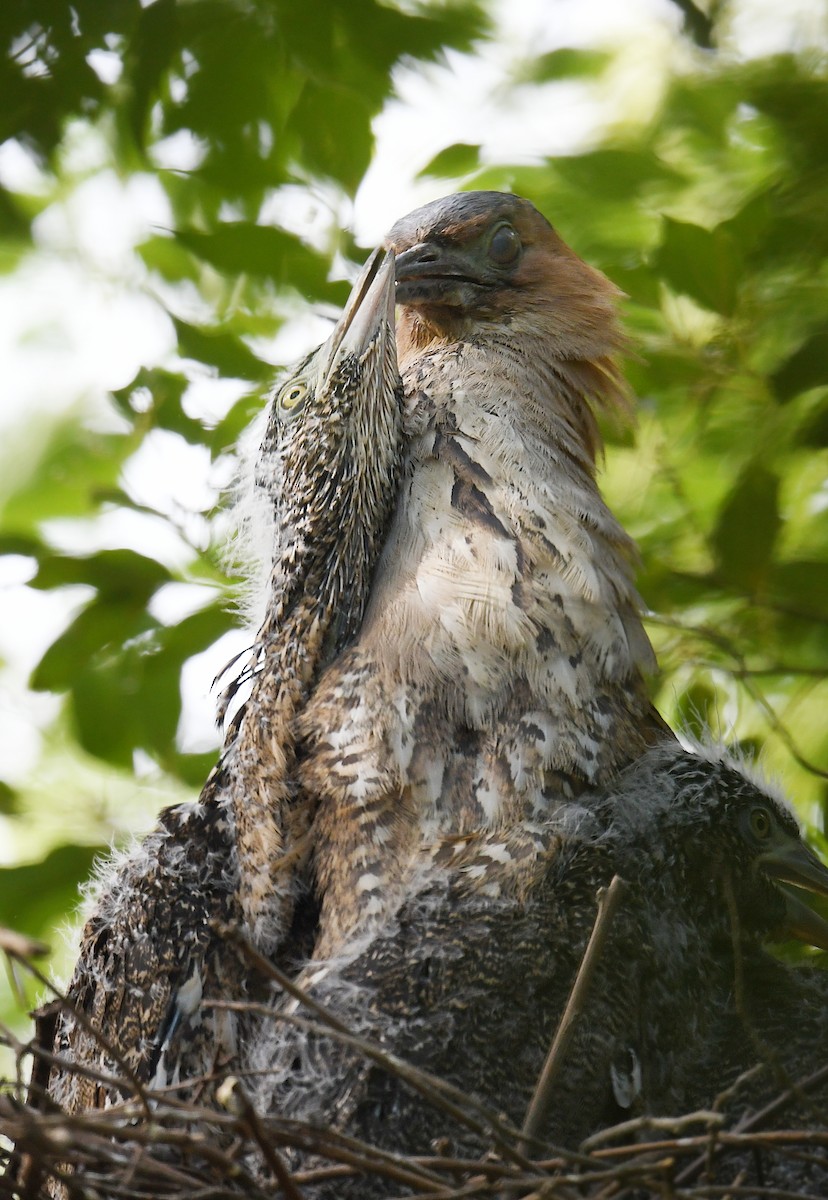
368,312
432,273
794,863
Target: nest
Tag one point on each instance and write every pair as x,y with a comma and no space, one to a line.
156,1146
178,1150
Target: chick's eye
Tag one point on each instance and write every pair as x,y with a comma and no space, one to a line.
504,246
760,823
292,394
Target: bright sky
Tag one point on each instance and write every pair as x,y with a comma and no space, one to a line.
76,321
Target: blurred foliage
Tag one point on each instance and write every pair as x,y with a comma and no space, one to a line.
709,213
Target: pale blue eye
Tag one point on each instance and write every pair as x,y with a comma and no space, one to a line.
504,246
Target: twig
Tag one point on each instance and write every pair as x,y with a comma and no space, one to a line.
751,1191
19,945
56,1060
539,1105
356,1154
671,1124
750,1123
802,1086
235,1098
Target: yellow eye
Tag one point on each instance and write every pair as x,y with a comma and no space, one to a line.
292,394
504,246
760,823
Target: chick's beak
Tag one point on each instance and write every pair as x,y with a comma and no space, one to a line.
795,863
802,923
367,314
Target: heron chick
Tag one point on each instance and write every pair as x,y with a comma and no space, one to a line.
149,956
471,986
328,466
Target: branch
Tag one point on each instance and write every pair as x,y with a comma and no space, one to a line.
608,899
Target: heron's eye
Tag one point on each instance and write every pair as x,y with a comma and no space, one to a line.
292,394
504,246
761,823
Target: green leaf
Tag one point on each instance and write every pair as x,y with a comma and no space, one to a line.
333,131
703,263
192,769
615,173
36,102
813,432
37,896
220,349
9,800
745,534
13,225
697,23
227,432
802,586
380,34
697,710
151,50
126,701
28,547
195,633
165,389
166,255
806,368
749,226
242,247
122,671
94,639
74,466
566,63
700,110
797,103
457,159
119,575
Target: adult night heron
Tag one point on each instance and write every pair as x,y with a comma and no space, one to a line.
500,667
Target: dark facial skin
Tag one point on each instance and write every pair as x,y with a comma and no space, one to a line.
461,251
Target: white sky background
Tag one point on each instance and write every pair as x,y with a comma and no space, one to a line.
75,321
